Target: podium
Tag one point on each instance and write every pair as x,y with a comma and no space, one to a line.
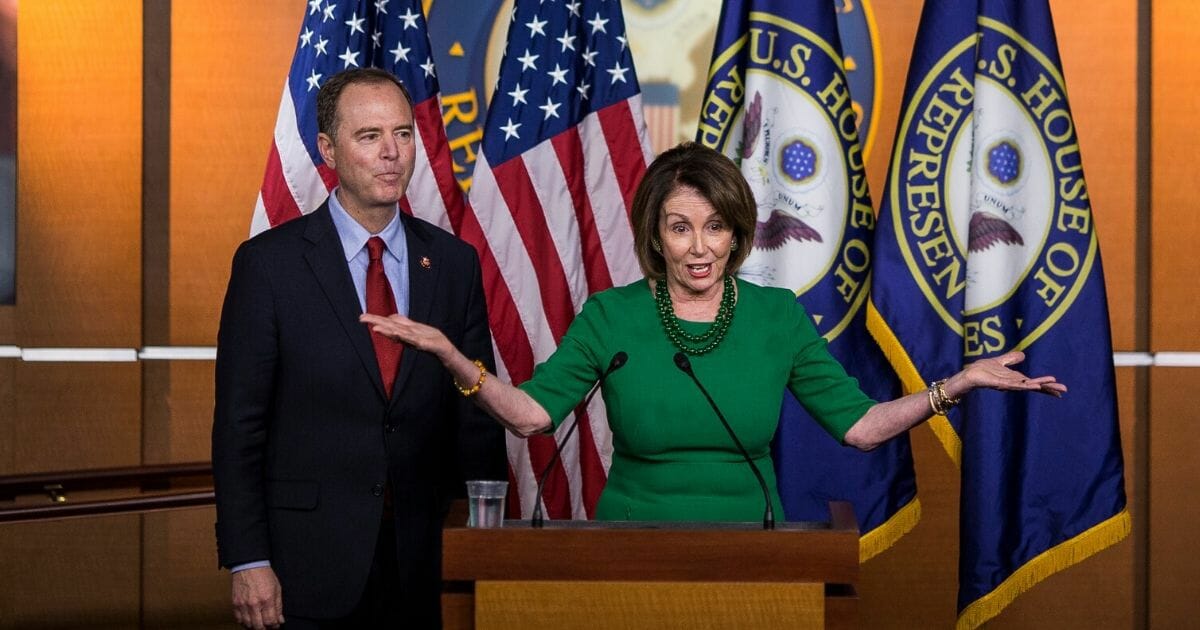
588,574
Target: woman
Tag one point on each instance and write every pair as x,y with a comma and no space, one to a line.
694,219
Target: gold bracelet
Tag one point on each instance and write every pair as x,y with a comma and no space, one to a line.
468,392
933,402
938,400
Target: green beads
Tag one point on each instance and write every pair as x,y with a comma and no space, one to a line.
695,344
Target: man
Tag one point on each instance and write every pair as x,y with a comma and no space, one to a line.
336,451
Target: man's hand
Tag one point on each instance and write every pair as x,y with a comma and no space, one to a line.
257,599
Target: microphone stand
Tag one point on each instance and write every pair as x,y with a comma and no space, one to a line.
685,365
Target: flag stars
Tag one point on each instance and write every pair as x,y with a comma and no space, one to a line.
510,130
527,61
428,67
573,7
567,40
550,109
355,23
583,88
410,18
400,53
314,6
624,42
306,37
597,24
349,58
314,81
559,75
617,72
381,6
320,47
328,12
536,27
377,39
589,56
518,95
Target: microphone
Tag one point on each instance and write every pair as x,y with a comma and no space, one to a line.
615,364
682,362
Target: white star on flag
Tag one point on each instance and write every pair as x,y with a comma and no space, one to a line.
527,62
536,27
518,96
350,58
567,40
598,24
428,67
617,72
400,52
558,74
355,24
551,108
314,81
410,19
510,130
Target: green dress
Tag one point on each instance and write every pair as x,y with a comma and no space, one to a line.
672,459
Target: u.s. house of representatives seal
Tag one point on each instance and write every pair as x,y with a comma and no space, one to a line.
780,105
988,195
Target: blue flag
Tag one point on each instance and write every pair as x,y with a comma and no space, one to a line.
778,103
986,244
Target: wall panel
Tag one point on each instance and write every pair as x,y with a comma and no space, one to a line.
68,574
226,79
1174,498
79,125
1175,92
182,586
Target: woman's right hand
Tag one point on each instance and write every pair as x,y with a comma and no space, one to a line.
401,329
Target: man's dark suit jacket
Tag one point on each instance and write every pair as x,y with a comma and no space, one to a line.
303,437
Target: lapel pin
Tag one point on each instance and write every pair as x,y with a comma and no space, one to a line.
425,262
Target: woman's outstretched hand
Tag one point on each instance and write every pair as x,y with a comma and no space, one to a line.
995,373
401,329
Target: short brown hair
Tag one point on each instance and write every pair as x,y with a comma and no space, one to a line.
709,173
327,98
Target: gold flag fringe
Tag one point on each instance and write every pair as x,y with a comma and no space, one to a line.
881,538
911,379
1055,559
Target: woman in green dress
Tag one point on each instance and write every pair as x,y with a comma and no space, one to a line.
694,220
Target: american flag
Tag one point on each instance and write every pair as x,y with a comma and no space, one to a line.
337,35
563,149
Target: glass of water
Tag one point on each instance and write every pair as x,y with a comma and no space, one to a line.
486,500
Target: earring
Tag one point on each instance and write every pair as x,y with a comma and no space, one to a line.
733,245
656,245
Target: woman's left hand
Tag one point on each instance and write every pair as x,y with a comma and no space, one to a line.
401,329
995,373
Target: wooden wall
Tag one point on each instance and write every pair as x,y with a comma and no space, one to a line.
106,259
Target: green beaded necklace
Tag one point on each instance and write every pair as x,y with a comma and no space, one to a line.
688,343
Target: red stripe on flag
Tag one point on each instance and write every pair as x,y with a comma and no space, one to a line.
515,186
624,148
569,149
277,197
512,341
328,175
428,117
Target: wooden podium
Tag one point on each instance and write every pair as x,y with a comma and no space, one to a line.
586,574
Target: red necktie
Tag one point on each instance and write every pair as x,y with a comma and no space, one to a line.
380,301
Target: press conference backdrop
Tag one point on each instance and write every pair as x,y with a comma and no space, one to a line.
143,130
